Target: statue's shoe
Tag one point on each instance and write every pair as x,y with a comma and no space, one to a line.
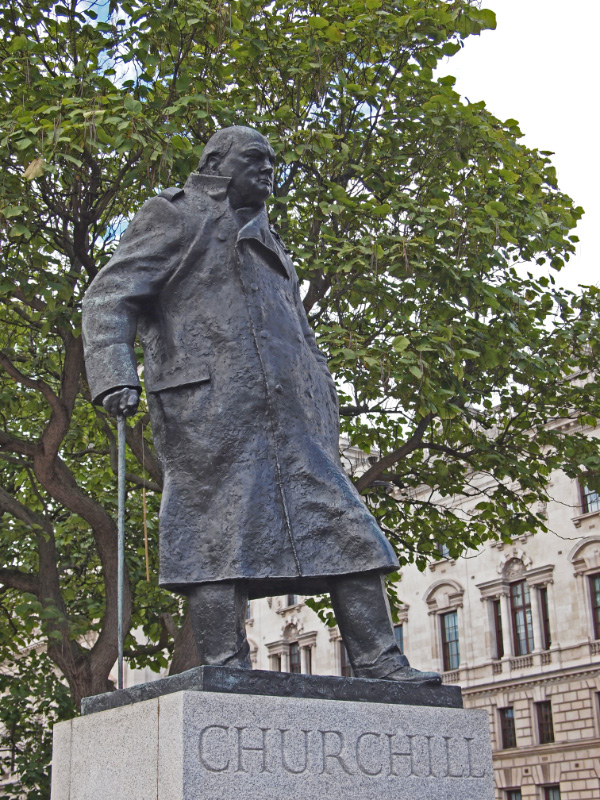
411,675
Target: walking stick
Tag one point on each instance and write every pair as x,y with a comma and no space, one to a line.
121,542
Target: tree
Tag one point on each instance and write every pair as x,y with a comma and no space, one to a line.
409,212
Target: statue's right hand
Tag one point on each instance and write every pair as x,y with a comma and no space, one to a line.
123,401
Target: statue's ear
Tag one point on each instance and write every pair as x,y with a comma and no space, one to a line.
212,165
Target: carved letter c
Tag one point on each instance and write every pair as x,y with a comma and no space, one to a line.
361,767
203,761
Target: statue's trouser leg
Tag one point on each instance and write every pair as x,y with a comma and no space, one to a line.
218,612
363,615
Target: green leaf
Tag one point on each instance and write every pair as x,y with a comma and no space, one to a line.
35,169
383,210
133,105
334,34
400,343
13,211
19,230
181,143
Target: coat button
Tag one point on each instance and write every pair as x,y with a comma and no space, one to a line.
221,236
299,337
279,388
254,287
264,334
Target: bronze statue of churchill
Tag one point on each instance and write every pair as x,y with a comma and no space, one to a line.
244,412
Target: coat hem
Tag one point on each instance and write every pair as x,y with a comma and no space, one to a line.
271,587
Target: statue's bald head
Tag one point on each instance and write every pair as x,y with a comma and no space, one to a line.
221,142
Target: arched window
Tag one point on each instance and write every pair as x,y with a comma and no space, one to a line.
585,557
294,652
519,614
445,599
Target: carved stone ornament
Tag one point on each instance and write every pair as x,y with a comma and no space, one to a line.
292,628
514,565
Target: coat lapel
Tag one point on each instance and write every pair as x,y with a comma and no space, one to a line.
257,230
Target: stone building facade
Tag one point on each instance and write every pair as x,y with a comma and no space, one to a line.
517,626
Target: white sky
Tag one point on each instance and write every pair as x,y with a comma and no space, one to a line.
540,67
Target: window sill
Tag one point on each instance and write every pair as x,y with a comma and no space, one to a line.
286,609
584,517
441,563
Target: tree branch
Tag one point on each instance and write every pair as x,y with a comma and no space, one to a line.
16,445
11,505
367,478
138,480
31,383
450,451
144,453
21,581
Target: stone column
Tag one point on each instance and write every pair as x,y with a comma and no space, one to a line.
536,619
507,638
303,660
285,660
463,639
555,628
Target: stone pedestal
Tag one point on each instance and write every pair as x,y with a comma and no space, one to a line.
219,745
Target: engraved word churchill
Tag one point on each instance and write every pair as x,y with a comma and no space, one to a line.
377,754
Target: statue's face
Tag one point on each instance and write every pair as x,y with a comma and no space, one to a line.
249,164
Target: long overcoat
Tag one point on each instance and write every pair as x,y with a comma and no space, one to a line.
242,404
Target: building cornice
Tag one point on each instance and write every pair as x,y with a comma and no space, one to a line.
554,676
523,751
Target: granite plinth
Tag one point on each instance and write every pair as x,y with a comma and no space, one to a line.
193,745
279,684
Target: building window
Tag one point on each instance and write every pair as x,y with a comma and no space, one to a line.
308,660
513,794
276,663
345,666
450,648
551,792
508,733
399,635
520,606
595,592
248,610
590,499
295,658
544,721
443,550
291,600
545,618
498,640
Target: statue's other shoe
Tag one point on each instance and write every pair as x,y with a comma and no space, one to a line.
410,675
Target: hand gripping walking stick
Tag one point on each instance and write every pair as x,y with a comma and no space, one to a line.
120,542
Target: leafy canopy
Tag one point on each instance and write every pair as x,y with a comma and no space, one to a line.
409,213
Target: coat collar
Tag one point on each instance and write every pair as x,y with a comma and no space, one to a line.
214,185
